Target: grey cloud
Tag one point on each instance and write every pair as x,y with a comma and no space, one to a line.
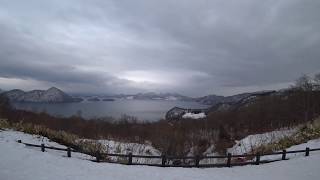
237,45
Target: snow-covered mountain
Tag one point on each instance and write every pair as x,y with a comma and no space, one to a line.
161,96
214,99
210,99
14,94
207,100
52,95
153,96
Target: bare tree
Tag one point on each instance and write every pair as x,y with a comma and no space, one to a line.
317,82
305,86
304,83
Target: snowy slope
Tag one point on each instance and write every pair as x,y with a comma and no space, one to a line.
10,135
13,136
18,162
247,144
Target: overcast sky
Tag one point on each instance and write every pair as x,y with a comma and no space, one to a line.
193,47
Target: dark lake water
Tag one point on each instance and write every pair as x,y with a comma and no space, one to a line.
150,110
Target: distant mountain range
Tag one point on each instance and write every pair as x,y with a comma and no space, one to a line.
52,95
214,99
155,96
55,95
139,96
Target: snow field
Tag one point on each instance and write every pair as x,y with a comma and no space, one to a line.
17,162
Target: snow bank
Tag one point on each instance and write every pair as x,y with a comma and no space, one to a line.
18,162
194,116
251,142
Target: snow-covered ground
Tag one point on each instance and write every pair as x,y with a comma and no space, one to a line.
13,136
18,162
194,116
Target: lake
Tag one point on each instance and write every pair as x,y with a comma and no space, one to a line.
149,110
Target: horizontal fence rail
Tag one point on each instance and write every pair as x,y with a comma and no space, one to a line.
168,161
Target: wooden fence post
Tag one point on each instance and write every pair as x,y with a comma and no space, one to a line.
197,160
69,152
284,152
307,151
257,158
130,158
98,156
42,147
229,160
164,159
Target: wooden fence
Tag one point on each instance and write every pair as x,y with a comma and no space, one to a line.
168,161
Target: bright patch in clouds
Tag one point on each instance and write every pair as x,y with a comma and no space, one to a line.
172,77
144,77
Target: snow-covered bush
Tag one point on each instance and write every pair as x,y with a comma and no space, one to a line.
305,134
91,147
